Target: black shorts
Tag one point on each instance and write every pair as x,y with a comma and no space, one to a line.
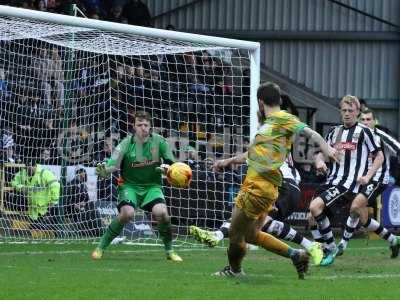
288,200
372,190
331,194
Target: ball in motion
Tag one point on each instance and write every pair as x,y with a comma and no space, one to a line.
179,175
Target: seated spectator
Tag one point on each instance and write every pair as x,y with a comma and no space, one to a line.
190,157
115,15
79,209
10,155
3,82
41,191
46,157
28,4
42,5
7,139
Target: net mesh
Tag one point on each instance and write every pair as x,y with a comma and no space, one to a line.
67,99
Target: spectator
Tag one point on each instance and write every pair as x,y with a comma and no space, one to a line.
57,78
41,191
190,157
170,27
28,4
43,68
42,6
3,82
46,157
7,146
79,209
7,139
116,15
137,13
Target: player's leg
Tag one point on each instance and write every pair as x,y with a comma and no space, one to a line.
370,224
255,208
126,207
393,240
286,232
154,202
317,209
356,210
289,197
208,237
237,244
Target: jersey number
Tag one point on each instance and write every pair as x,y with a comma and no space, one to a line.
332,193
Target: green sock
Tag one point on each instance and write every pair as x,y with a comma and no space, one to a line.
166,235
112,231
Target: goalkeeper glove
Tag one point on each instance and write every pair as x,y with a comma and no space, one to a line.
163,168
101,171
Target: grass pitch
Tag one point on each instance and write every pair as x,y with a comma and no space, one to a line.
53,271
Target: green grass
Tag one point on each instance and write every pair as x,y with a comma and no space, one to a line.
50,271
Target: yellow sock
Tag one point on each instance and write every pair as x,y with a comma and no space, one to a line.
271,243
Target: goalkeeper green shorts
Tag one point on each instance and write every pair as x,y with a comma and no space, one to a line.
139,196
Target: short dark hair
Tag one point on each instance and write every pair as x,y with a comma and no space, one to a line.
269,93
287,104
29,161
368,111
141,115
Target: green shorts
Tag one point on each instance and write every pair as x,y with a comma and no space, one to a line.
139,196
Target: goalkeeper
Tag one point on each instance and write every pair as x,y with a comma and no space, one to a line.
138,157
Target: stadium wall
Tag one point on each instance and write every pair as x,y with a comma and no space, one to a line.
367,66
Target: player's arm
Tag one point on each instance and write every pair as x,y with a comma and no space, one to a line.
391,143
166,155
18,181
378,161
319,161
328,151
114,162
219,165
374,146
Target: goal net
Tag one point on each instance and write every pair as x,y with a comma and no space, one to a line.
68,93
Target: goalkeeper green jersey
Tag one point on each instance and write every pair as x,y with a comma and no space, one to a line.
138,161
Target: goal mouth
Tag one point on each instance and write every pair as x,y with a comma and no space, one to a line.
69,87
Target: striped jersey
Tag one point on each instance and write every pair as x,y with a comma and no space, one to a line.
289,172
389,146
354,145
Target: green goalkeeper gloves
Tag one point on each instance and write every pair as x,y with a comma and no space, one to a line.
163,168
101,171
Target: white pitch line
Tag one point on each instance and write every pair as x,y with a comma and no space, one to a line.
308,277
22,252
4,253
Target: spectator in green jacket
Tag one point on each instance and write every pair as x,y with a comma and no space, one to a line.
40,186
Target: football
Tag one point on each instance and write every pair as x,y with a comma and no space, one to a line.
179,175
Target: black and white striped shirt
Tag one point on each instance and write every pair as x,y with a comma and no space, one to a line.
289,172
389,146
354,145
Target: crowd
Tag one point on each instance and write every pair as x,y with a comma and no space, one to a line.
133,12
55,112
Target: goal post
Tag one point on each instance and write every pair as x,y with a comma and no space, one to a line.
68,89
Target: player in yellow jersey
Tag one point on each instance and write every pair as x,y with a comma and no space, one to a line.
259,190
